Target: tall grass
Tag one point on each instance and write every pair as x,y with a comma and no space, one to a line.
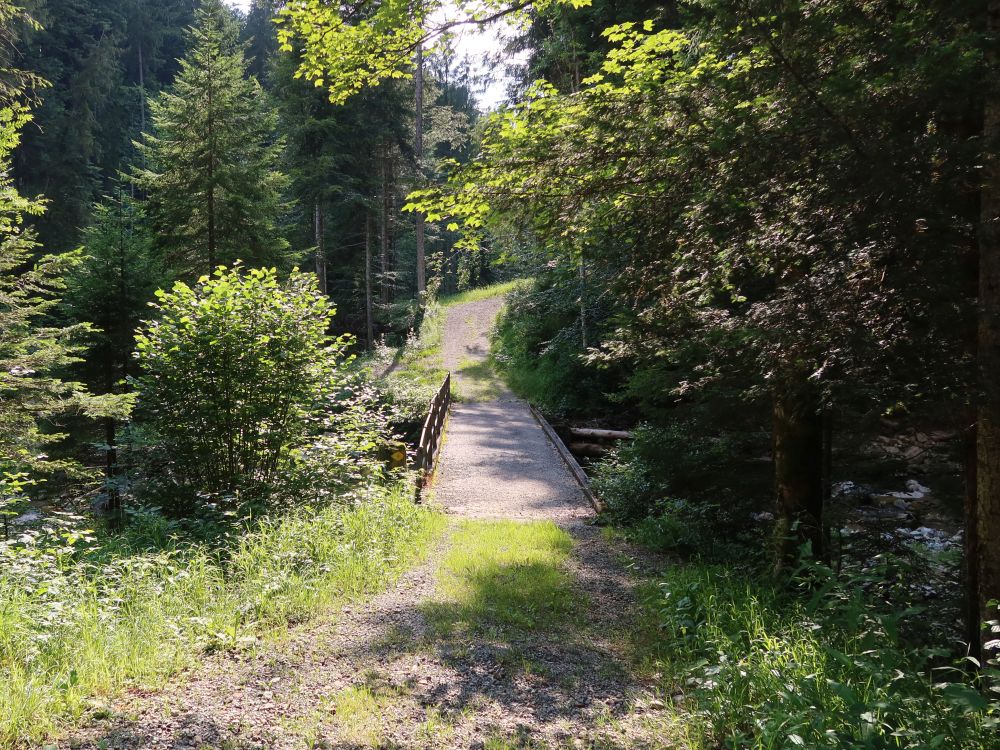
74,628
763,670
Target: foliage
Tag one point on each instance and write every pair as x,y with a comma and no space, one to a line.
348,49
236,370
210,165
82,617
33,353
761,669
538,347
685,489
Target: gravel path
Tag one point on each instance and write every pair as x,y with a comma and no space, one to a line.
466,342
496,462
379,675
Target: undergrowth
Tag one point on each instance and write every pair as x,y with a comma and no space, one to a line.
764,668
81,619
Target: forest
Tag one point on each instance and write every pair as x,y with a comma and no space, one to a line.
655,405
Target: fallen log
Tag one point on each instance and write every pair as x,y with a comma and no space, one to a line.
594,450
595,434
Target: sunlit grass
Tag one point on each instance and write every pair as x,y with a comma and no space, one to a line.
358,716
476,381
71,632
501,575
484,292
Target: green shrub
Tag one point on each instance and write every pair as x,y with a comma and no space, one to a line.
675,488
235,371
81,618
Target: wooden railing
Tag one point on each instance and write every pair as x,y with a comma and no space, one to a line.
430,435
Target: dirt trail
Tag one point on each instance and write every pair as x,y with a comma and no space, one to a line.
407,685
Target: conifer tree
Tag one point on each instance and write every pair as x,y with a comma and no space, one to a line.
33,352
211,161
112,288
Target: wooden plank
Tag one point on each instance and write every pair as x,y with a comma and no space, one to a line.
567,457
430,436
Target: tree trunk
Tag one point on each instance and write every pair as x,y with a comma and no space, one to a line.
319,230
384,255
987,509
798,468
210,202
369,321
418,150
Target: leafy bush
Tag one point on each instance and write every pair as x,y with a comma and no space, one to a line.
235,370
81,617
674,486
538,349
765,670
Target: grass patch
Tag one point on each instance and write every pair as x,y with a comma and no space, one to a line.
761,668
484,292
505,575
412,374
79,625
358,716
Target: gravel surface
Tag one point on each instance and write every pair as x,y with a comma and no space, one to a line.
466,340
575,688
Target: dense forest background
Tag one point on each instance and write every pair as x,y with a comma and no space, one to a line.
758,239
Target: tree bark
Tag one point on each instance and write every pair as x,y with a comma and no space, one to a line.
418,150
369,321
987,511
319,230
798,467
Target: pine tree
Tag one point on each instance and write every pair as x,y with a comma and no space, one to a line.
211,174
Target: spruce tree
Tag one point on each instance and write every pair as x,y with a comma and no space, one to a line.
211,161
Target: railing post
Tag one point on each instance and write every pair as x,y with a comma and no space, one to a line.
430,435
